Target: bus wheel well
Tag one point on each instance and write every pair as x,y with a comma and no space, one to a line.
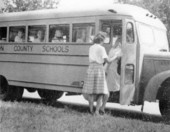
165,84
164,98
4,88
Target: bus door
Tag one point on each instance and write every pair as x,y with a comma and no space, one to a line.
128,63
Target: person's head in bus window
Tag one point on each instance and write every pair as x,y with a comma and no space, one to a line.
117,34
39,37
19,37
58,36
107,32
81,37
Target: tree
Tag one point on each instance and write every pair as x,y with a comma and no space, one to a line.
26,5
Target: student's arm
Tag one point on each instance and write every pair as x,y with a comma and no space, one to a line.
109,60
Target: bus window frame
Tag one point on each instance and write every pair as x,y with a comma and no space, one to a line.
81,23
45,32
25,34
134,39
106,18
49,24
6,34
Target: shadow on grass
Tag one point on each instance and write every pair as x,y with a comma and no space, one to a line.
120,113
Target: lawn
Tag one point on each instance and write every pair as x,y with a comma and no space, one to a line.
32,117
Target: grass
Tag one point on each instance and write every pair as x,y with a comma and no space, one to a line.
31,117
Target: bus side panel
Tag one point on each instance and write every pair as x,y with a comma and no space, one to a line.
63,70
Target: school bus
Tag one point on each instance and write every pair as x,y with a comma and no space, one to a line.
52,67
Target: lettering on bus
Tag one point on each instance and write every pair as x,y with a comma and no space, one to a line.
1,48
54,49
26,48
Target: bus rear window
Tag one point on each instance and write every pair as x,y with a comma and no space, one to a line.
3,34
83,33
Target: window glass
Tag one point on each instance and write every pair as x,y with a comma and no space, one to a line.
107,29
146,35
130,33
3,34
17,34
83,33
129,74
117,34
161,39
59,33
36,33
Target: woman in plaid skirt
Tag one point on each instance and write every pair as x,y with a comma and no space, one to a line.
95,87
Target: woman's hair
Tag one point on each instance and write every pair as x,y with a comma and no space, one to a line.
99,37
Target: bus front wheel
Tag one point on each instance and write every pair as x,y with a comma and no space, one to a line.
50,95
164,103
16,93
4,89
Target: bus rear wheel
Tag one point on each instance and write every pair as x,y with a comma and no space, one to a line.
50,95
164,103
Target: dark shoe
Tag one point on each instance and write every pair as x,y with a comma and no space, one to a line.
101,112
90,112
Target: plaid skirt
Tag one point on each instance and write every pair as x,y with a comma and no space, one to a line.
95,82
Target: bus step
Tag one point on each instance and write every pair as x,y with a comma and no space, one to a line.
72,93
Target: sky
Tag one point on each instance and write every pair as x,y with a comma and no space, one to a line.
78,4
83,4
1,4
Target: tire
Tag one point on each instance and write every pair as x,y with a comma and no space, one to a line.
4,89
16,93
50,95
31,90
164,103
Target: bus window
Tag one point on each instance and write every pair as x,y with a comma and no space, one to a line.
107,30
83,33
59,33
36,33
3,34
130,33
146,35
113,30
161,41
17,34
117,33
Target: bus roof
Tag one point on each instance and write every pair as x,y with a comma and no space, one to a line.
139,14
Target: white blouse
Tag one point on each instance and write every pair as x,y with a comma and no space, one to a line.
97,53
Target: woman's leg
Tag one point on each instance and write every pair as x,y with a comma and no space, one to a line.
105,99
98,105
90,99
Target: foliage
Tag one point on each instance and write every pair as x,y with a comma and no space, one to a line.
25,5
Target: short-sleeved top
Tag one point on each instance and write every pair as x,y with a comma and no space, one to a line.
97,53
18,39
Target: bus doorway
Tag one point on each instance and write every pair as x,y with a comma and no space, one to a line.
121,72
113,45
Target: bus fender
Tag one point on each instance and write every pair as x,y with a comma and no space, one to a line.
154,85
